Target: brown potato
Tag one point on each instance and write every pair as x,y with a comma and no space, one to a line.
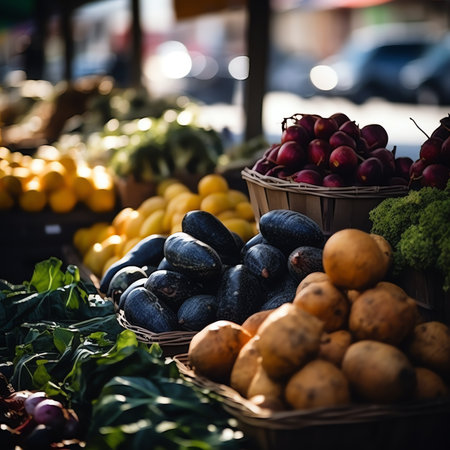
262,384
385,247
382,315
244,368
430,347
289,337
429,384
252,323
318,383
353,260
334,345
326,302
379,372
311,278
213,350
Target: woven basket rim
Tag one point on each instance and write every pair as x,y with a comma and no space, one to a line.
251,414
167,338
332,192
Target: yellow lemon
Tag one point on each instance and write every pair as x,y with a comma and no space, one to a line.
215,203
82,240
129,244
241,227
12,185
33,199
6,200
152,204
82,183
120,219
133,224
101,200
228,214
109,262
212,183
69,162
153,223
54,176
245,211
174,189
62,200
100,252
236,197
162,185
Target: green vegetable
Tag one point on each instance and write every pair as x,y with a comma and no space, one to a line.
417,227
51,294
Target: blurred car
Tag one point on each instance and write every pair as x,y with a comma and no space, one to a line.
369,64
428,77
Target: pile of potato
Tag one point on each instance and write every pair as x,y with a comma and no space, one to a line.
347,337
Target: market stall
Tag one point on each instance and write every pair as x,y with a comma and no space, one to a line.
160,288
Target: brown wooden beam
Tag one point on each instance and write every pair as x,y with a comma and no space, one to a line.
258,38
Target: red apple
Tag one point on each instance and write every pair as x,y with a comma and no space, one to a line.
375,135
307,176
295,133
324,127
339,138
430,150
339,118
343,160
370,172
402,166
291,154
435,175
333,180
318,152
351,128
387,159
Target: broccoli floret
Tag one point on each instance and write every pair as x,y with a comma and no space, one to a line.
417,249
395,215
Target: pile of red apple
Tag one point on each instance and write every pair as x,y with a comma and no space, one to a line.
336,152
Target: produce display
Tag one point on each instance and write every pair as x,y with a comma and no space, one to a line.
71,377
346,337
336,152
102,244
205,272
54,180
417,228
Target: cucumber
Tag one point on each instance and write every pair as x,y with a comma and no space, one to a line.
197,311
172,287
147,252
144,309
207,228
239,295
288,230
266,262
305,260
192,257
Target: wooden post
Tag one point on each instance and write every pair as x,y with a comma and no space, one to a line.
258,38
136,45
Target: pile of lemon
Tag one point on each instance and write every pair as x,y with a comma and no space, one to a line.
53,179
102,244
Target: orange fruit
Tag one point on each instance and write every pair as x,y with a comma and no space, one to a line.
62,200
212,183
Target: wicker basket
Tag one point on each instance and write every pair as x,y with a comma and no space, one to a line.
419,425
331,208
171,342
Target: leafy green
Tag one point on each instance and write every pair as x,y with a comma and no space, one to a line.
51,294
417,227
136,412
